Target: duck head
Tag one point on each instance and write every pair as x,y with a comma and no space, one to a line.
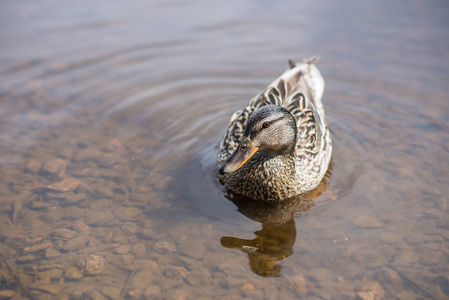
271,130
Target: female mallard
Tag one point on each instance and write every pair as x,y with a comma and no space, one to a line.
279,146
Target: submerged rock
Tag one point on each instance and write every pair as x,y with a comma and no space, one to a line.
7,294
123,249
56,166
33,166
142,280
50,253
369,222
64,233
139,250
25,259
165,247
370,291
90,264
47,288
37,248
66,185
175,272
72,273
151,292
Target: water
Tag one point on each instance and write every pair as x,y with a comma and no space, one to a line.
128,102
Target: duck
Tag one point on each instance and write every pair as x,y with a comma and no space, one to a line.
279,146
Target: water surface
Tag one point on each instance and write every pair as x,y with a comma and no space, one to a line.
110,120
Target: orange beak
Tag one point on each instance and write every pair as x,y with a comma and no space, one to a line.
239,157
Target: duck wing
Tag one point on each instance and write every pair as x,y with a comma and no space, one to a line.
233,135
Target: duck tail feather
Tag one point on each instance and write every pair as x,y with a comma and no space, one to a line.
311,60
291,64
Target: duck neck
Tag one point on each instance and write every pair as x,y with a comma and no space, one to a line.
267,177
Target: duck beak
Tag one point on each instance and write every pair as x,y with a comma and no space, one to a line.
239,157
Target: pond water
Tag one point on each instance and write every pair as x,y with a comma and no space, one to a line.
110,119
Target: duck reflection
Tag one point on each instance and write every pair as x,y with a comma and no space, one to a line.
274,242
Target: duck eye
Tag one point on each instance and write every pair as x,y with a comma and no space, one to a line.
266,124
242,147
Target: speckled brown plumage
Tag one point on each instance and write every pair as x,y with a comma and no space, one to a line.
282,167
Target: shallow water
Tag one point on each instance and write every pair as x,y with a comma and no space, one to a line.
110,120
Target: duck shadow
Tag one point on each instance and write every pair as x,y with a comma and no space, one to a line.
275,241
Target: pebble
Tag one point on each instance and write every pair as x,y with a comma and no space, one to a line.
51,253
387,251
405,258
142,279
6,294
178,294
75,244
368,222
66,185
147,234
105,173
368,256
53,273
370,291
193,248
47,288
233,269
441,204
300,284
39,205
199,277
159,179
25,259
104,192
64,233
253,294
72,273
271,292
38,248
446,145
109,159
33,166
287,293
123,249
185,262
57,195
175,272
111,292
247,287
127,213
134,294
443,282
151,292
87,154
90,264
56,166
93,295
389,238
81,227
320,275
139,250
386,274
413,238
425,226
433,258
73,199
99,218
164,247
144,264
6,251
